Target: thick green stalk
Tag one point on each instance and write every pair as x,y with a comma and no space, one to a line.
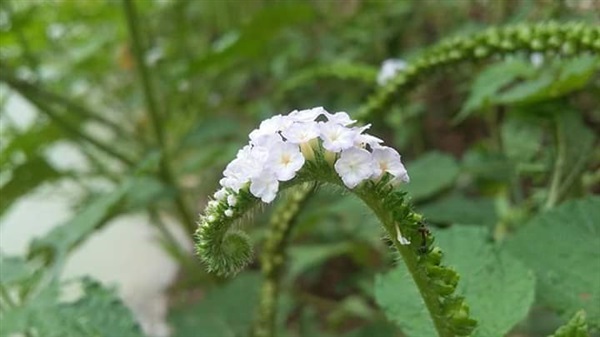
167,175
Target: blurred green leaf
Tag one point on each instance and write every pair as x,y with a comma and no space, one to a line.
489,82
498,288
24,179
14,269
482,163
146,191
430,174
224,312
561,246
457,209
554,81
257,34
521,138
305,257
30,142
99,312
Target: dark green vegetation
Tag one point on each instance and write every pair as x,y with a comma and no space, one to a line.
503,156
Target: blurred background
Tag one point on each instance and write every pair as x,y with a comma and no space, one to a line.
117,119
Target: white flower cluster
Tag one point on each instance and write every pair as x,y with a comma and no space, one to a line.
389,69
282,144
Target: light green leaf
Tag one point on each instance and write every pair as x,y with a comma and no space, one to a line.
561,246
224,312
576,327
99,312
429,174
498,288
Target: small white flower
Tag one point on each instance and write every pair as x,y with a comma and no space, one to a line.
220,194
301,132
213,203
355,165
336,137
231,200
264,186
211,218
285,160
340,118
388,160
401,239
389,69
266,140
271,126
307,115
229,212
367,139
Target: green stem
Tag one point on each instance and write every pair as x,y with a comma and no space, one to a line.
559,163
4,294
430,298
273,258
166,173
76,132
564,39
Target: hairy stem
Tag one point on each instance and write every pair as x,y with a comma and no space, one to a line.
273,258
549,37
559,165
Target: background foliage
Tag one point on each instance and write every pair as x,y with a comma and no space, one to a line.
503,157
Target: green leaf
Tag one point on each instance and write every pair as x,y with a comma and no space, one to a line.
224,312
457,209
489,82
561,246
14,269
398,296
554,81
24,179
521,138
430,174
99,312
498,288
576,327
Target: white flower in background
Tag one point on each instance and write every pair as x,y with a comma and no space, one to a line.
388,160
301,132
536,59
279,148
229,212
285,159
336,137
389,69
265,186
355,165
